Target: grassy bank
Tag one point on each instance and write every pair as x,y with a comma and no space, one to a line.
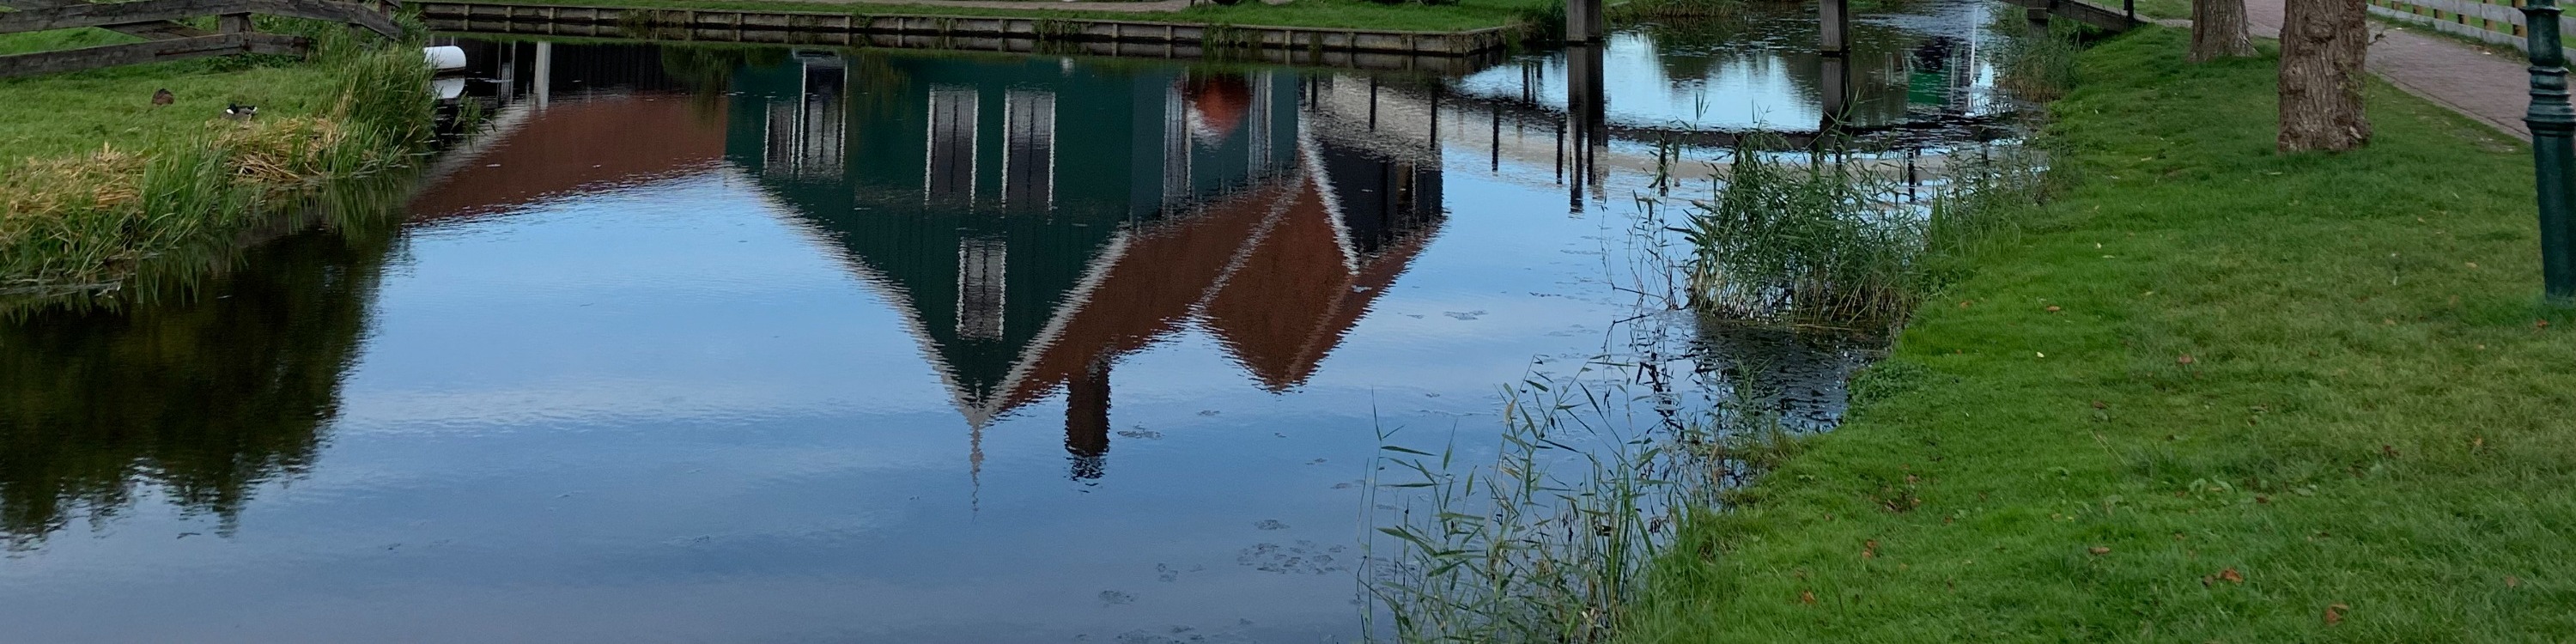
2212,394
1464,15
98,183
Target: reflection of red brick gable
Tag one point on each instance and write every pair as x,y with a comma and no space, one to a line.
1295,296
579,143
1267,271
1145,293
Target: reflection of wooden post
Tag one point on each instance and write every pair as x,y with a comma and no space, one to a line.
1836,18
233,23
1588,105
1837,94
1583,21
544,83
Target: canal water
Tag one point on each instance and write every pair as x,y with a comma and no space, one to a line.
713,344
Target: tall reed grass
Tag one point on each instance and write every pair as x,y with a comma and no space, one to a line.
2036,63
1544,543
1839,240
80,227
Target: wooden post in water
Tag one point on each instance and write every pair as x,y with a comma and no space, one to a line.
1583,23
1835,16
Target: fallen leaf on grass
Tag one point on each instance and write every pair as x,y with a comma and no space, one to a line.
2511,581
2231,576
2099,550
2054,309
2185,359
1808,597
2334,614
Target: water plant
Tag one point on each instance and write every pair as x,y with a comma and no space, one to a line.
1813,242
1545,542
2036,62
1837,239
1689,10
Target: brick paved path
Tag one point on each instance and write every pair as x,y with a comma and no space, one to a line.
2491,87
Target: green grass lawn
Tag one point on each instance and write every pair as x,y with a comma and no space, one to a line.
67,114
1350,14
2281,399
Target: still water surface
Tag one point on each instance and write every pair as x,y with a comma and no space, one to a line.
706,345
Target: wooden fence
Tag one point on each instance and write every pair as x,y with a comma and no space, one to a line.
2497,22
165,39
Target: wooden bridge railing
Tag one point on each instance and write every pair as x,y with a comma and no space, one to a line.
166,39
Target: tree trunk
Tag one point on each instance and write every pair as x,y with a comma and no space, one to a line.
2323,43
2218,30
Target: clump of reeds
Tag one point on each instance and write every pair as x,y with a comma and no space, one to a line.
1544,544
1538,23
1812,242
1639,10
2036,63
1832,240
1549,542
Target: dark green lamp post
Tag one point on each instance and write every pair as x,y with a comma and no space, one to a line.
2553,149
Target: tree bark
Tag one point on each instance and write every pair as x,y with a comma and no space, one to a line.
2218,30
2323,45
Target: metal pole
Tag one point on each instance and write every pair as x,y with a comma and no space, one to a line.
2553,123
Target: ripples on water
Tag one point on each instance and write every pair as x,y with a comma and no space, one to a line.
770,345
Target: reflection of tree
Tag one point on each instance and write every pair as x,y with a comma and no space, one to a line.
209,398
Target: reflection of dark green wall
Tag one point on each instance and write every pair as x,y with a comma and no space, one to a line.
208,398
1108,173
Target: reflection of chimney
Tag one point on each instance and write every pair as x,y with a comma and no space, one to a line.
1086,419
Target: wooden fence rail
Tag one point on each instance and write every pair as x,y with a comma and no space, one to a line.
166,39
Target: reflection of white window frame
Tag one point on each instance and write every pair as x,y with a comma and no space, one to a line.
1176,144
1261,123
982,272
950,148
1028,148
806,134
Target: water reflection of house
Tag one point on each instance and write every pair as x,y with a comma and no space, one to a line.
1037,226
1033,224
